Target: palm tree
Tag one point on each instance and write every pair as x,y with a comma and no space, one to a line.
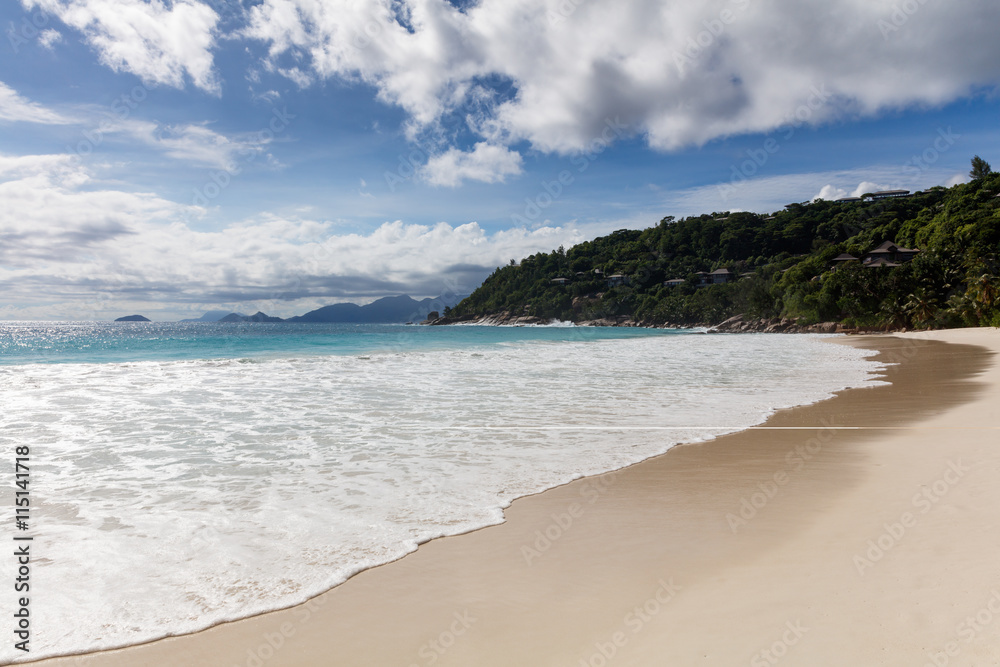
961,307
892,314
983,292
921,306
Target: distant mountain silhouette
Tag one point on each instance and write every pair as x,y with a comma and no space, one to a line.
133,318
388,310
256,317
213,316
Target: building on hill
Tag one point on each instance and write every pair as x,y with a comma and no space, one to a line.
721,276
890,194
676,282
880,263
890,252
560,281
841,259
847,200
617,280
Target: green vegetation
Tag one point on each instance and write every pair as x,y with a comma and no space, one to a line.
953,281
980,168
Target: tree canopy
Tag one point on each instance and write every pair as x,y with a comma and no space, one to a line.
785,263
980,168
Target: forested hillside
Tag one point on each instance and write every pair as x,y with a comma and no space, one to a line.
785,265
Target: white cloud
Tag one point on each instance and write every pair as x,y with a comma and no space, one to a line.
957,179
486,163
156,41
67,239
866,187
197,144
50,37
678,73
675,73
14,108
831,193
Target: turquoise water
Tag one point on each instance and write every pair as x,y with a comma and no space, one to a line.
117,342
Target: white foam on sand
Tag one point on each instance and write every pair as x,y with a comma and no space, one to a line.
173,496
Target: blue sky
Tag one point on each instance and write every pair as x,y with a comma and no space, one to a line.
174,157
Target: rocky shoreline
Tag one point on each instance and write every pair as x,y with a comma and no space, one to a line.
735,324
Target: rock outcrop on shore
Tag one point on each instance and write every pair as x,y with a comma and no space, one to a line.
783,325
737,324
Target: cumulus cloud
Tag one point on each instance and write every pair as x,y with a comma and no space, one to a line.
14,108
957,179
486,163
831,193
677,73
555,73
64,237
161,43
49,38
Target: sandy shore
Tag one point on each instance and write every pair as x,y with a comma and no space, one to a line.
804,542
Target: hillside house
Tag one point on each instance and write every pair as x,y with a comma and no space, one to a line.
617,280
721,276
889,194
890,252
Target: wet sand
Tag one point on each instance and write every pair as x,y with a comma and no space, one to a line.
862,530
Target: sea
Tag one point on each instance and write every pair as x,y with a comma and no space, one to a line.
182,475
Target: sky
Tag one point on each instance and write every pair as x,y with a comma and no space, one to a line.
177,156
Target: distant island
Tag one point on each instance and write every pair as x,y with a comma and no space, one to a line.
884,261
212,316
256,317
387,310
133,318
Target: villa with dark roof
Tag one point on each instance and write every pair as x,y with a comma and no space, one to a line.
886,255
888,251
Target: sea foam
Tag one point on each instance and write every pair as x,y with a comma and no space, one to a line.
173,495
